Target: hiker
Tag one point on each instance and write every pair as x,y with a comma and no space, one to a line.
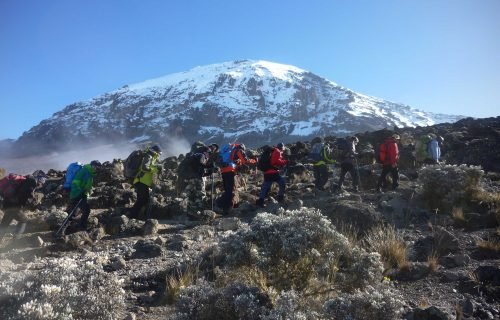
349,163
192,174
232,156
80,190
273,175
322,157
434,149
17,193
143,180
388,156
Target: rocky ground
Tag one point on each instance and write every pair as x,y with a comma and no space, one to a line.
437,239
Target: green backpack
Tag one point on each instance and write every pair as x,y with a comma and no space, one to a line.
421,147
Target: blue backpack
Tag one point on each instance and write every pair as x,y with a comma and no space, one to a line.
71,171
225,155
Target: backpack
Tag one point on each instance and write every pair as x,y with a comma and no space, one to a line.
71,173
422,147
226,155
133,163
198,147
315,153
193,165
10,185
341,148
264,162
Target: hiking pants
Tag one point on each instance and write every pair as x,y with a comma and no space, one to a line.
320,176
346,167
10,214
269,179
386,169
84,208
225,202
142,202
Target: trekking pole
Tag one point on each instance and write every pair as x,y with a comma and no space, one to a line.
357,171
212,190
150,205
68,218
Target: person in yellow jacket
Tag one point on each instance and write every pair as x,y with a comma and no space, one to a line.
321,161
144,180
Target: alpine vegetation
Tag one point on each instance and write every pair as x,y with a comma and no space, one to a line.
297,256
449,186
66,288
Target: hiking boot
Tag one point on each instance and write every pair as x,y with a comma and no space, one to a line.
379,190
259,203
355,189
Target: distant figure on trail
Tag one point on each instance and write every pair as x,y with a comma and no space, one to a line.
192,174
80,190
349,163
388,157
17,193
143,180
231,157
272,175
321,156
434,149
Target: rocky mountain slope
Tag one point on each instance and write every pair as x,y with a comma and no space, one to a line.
427,250
245,100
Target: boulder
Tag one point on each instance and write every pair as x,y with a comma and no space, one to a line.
145,249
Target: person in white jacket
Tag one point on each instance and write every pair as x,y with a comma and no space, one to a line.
434,149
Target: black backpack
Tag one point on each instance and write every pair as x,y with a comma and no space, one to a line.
264,162
133,163
342,148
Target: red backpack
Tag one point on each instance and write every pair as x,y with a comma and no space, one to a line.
10,184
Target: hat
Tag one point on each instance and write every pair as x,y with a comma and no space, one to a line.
243,147
440,139
396,136
156,148
95,164
280,146
354,138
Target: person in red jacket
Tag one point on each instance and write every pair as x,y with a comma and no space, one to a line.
237,158
389,155
272,175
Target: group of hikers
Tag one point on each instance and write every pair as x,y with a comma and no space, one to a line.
17,192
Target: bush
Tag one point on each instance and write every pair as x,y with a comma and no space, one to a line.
389,244
236,301
64,289
280,267
445,187
372,304
295,248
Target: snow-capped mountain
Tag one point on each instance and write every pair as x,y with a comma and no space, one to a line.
255,102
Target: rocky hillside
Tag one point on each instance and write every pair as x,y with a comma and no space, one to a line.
428,250
245,100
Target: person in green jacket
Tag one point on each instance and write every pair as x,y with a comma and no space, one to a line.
81,188
321,166
144,180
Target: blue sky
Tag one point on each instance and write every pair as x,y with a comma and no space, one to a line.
436,55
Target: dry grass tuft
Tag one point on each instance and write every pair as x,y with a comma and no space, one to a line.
489,245
457,213
179,280
389,244
432,262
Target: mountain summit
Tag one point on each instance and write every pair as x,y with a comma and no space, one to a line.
249,101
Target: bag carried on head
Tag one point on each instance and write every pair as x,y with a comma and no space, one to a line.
198,147
264,162
133,163
71,171
422,147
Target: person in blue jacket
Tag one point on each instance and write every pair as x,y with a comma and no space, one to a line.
434,149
